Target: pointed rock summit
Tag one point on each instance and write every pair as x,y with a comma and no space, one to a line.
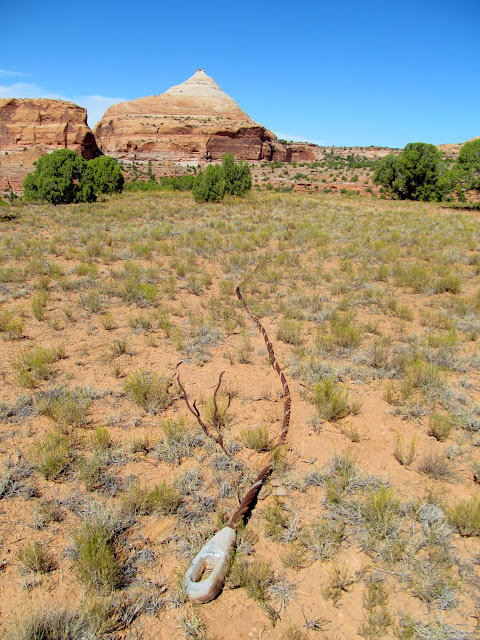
198,96
205,94
194,121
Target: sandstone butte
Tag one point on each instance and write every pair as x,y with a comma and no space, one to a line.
191,122
30,128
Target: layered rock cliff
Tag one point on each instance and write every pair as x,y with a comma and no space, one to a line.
49,124
29,128
192,122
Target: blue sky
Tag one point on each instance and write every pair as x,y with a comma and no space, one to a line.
339,72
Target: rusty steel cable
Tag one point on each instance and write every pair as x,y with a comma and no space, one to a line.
251,495
265,472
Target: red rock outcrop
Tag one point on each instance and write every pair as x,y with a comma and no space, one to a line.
49,124
192,122
29,128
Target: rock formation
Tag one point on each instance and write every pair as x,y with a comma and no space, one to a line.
49,124
30,128
192,122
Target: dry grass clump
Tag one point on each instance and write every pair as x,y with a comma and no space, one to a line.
92,470
464,517
149,391
100,439
338,583
35,559
119,347
11,326
140,501
289,331
53,624
432,579
405,455
95,561
178,442
440,426
323,538
333,401
51,455
276,520
436,466
68,409
34,366
255,577
13,479
223,416
45,512
256,438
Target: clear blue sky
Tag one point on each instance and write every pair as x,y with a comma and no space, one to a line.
338,72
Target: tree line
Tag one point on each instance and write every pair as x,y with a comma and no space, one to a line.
421,173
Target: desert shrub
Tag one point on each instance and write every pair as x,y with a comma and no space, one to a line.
209,185
34,558
289,331
11,327
50,456
217,180
65,408
165,498
237,176
178,442
256,438
332,401
148,390
96,563
59,178
45,624
104,175
440,426
416,174
35,365
255,578
464,517
467,168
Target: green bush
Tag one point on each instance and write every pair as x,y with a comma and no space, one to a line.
63,177
416,174
217,180
238,177
165,183
467,169
148,390
104,174
96,563
209,185
59,179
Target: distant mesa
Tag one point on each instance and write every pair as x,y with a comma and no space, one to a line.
191,122
47,124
